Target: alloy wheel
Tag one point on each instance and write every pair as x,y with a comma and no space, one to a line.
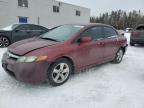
4,42
119,55
60,72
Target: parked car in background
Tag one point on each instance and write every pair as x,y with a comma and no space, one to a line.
137,35
17,32
128,30
57,54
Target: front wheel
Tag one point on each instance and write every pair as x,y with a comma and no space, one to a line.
59,72
119,56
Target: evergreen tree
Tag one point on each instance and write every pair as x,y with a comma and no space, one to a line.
120,19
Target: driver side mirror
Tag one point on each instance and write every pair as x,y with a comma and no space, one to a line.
85,39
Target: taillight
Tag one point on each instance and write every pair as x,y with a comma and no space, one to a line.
134,33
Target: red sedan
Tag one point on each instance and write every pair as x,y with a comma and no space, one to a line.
55,55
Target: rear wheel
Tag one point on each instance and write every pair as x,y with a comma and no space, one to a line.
59,72
4,42
119,56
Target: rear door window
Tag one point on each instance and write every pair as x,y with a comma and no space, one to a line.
109,32
37,28
33,27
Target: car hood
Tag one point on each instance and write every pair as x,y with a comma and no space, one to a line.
2,31
28,45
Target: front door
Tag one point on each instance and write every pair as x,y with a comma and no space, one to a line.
92,52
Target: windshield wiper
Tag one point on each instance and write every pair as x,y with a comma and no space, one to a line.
48,39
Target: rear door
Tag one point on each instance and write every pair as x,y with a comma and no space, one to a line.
111,42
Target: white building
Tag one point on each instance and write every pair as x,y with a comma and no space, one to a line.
48,13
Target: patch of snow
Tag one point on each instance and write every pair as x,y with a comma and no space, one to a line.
105,86
127,35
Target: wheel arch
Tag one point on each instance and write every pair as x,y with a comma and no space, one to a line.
69,59
123,48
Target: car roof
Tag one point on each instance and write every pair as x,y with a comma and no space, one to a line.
90,24
80,24
28,24
24,24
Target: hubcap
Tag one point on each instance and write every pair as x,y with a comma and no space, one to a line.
119,55
60,72
4,42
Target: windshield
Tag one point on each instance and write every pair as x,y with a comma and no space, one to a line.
62,33
10,27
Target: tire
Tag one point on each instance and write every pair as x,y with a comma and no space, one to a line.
4,42
119,56
59,72
132,44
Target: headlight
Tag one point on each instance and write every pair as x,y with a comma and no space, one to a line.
31,59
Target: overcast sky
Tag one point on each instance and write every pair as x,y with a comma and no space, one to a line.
100,6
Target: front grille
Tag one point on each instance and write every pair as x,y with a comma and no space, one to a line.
4,65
